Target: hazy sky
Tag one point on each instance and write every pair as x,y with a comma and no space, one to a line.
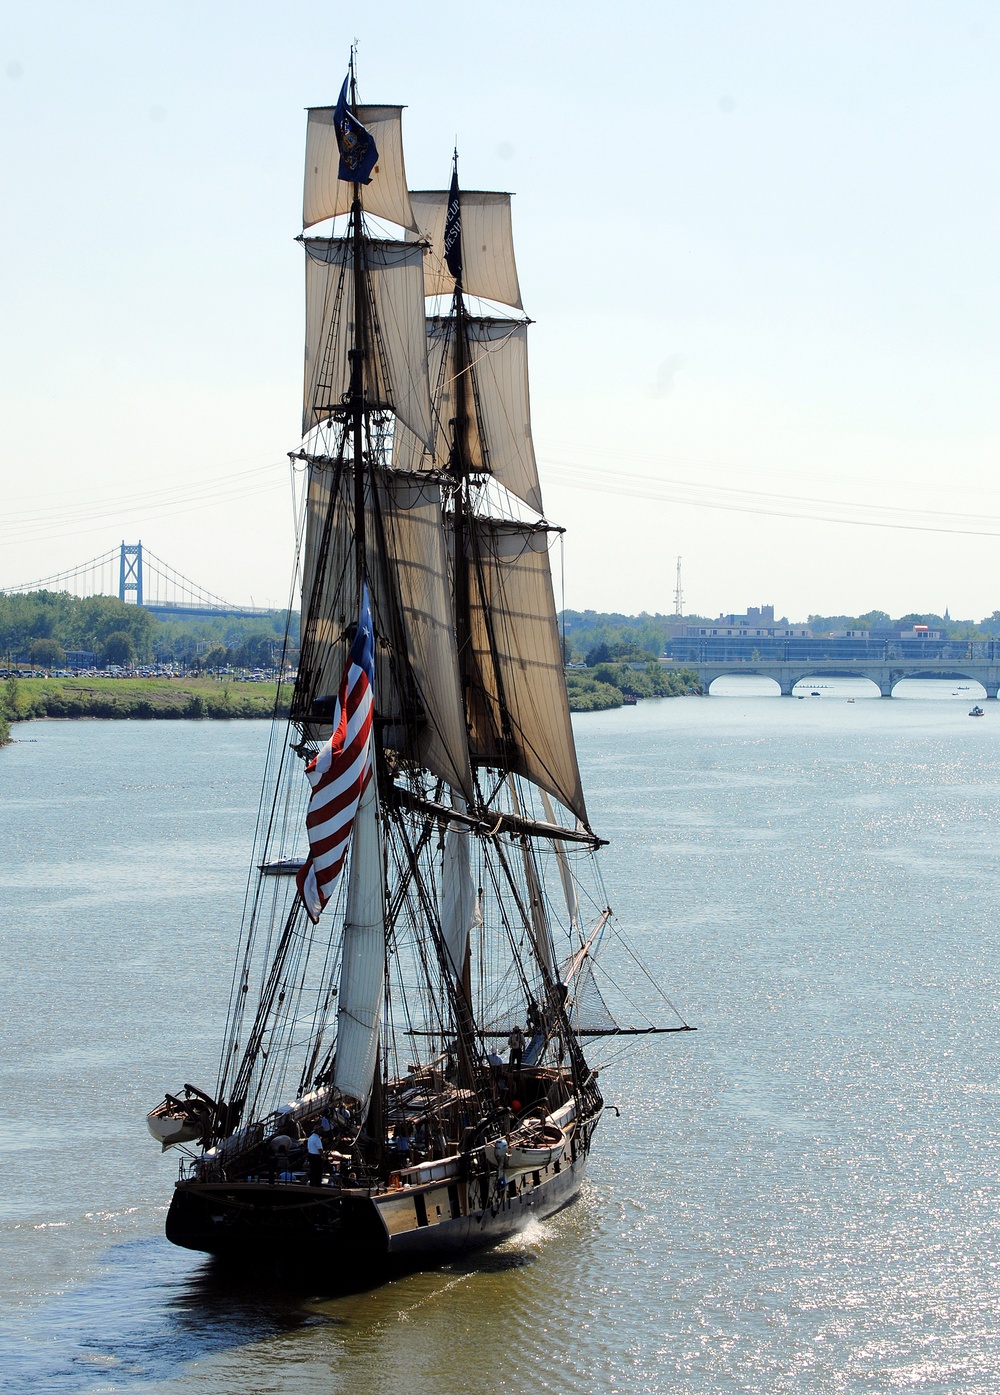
759,241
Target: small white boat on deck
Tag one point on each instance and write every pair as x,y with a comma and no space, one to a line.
180,1120
532,1145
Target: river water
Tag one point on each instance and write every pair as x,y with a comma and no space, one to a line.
802,1196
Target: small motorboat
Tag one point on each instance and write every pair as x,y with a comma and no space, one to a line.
977,711
281,867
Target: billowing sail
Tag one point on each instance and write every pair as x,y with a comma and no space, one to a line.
362,969
326,196
499,438
396,366
488,268
416,555
417,678
518,708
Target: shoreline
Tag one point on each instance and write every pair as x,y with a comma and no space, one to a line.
180,699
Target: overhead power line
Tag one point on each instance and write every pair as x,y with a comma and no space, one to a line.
760,503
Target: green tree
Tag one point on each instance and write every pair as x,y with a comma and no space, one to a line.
119,649
47,653
216,657
10,704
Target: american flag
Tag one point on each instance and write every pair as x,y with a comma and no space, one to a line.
339,772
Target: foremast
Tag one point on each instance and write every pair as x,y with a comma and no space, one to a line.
465,461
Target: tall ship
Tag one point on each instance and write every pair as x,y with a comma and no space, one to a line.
403,1073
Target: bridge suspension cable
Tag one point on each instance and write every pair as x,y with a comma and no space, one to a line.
87,573
133,573
180,585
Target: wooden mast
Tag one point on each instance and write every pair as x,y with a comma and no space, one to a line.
458,462
357,355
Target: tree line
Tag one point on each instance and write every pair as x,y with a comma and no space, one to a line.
593,637
43,627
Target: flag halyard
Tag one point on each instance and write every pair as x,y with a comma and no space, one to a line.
339,773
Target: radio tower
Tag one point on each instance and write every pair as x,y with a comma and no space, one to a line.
678,593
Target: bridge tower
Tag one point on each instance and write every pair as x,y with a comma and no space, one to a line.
130,572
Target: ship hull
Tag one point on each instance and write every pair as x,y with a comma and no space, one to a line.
335,1230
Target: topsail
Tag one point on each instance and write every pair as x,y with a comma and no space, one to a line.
327,196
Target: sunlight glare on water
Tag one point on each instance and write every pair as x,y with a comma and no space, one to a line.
800,1197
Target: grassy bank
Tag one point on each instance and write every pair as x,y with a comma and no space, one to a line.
144,699
141,698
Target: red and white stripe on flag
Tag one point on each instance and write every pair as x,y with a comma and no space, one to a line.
339,774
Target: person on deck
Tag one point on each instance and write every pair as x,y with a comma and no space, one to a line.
317,1162
402,1144
516,1043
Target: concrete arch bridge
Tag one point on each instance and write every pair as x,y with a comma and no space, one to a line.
885,674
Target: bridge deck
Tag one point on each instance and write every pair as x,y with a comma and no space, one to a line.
884,673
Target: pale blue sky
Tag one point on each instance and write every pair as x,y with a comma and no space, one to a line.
759,242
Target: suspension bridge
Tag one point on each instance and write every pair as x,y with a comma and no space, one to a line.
134,574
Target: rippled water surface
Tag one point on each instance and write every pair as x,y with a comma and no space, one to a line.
800,1197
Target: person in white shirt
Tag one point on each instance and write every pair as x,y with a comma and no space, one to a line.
317,1162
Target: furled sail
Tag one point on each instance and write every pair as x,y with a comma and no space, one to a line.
499,438
396,366
458,894
326,196
565,871
417,676
488,268
362,970
518,709
541,930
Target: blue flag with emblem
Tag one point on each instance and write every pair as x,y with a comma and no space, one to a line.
453,230
358,151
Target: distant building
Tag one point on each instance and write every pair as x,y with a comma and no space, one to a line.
921,632
757,623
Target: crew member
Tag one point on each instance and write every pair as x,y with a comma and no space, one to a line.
317,1162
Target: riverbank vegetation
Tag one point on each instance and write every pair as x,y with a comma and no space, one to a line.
607,685
144,699
53,630
140,698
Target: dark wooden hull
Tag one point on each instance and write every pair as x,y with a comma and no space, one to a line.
449,1216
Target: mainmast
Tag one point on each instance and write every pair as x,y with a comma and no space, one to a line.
458,463
358,354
